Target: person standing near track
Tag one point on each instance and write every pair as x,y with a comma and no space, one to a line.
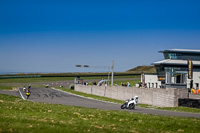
129,84
198,90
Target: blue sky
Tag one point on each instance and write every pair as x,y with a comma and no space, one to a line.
54,36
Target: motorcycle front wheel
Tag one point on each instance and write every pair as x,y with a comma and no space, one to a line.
123,106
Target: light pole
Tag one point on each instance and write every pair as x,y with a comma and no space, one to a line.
112,67
112,73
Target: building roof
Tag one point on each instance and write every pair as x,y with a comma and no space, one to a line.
175,62
181,51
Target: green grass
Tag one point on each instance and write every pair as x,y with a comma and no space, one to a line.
4,87
179,109
17,115
32,80
47,79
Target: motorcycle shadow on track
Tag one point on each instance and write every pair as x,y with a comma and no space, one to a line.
130,103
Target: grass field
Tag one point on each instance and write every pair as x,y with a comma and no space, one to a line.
7,84
4,87
17,115
48,79
32,80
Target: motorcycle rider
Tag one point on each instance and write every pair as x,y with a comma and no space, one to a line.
136,100
28,93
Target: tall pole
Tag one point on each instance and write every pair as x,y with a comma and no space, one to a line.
112,72
108,77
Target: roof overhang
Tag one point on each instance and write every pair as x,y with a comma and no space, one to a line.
180,51
175,62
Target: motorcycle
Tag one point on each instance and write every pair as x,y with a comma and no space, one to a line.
130,103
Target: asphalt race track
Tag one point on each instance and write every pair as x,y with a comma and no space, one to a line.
48,95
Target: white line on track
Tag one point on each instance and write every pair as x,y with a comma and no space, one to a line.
21,94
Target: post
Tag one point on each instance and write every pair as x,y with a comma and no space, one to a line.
108,78
112,73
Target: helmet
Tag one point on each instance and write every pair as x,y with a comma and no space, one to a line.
136,97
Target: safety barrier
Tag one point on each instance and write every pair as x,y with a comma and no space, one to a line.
152,96
186,102
24,76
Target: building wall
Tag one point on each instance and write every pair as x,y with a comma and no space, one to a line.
156,97
151,80
196,79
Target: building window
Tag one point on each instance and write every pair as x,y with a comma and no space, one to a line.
166,55
172,56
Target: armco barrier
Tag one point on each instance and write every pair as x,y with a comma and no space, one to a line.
23,76
152,96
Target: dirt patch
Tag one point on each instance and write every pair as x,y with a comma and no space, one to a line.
15,89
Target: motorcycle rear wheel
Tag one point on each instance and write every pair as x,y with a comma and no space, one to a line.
131,106
27,96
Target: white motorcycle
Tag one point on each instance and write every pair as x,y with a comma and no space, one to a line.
130,103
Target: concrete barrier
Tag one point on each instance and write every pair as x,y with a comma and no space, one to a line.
152,96
194,96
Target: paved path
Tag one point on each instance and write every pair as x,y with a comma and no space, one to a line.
48,95
13,93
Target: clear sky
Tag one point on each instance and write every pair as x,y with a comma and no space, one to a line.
56,35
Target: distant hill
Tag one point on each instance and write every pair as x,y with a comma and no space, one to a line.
146,69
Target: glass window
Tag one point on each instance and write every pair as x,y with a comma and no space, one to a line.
172,55
166,55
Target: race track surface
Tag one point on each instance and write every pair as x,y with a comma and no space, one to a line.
48,95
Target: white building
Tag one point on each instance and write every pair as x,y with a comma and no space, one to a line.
173,71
